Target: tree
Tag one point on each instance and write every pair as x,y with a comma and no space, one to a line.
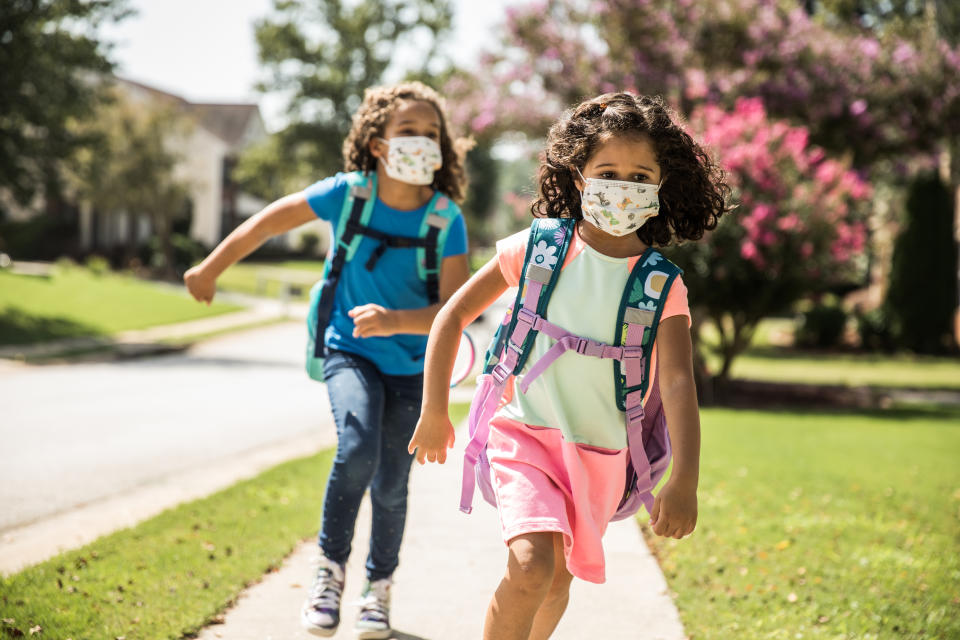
922,296
323,54
49,50
131,169
799,227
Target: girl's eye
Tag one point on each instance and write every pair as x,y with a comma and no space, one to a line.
641,177
608,175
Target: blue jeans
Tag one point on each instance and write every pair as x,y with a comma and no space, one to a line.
375,415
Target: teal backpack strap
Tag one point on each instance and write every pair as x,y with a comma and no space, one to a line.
640,309
434,229
363,185
546,251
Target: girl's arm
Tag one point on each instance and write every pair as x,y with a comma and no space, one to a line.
278,217
675,507
374,320
434,433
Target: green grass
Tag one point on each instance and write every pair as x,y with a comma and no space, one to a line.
242,277
173,574
781,365
823,525
768,360
74,302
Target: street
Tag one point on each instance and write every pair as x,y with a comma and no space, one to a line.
76,434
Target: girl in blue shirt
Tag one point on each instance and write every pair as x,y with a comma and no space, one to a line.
376,336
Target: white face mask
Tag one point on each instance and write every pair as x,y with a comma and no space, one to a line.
618,207
412,159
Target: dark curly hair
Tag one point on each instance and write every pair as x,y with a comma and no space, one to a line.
371,118
693,195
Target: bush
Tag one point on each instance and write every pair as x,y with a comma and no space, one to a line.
309,244
98,265
874,330
822,326
44,237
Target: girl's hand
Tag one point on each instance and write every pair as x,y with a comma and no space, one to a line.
370,320
432,438
674,510
200,285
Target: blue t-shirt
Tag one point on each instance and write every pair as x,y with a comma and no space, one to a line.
393,283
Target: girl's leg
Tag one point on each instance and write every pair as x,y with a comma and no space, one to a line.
356,399
529,576
388,493
549,613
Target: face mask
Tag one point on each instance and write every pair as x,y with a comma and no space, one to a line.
618,207
412,159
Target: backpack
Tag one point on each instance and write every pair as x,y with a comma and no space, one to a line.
352,225
640,309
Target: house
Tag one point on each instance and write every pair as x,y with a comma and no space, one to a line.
209,151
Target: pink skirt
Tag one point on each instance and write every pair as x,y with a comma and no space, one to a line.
544,483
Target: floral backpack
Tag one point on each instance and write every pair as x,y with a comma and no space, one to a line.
640,308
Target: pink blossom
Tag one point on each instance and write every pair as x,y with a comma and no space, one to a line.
858,107
748,251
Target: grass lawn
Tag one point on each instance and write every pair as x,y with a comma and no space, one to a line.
74,302
767,361
175,573
822,525
242,277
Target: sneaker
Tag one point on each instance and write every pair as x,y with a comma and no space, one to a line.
373,622
321,612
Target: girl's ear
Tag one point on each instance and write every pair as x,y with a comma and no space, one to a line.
378,149
577,180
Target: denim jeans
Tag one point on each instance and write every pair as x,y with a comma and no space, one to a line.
375,415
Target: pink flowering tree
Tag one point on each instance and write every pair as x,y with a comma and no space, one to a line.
798,228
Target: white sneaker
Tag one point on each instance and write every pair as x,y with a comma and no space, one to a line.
373,621
321,612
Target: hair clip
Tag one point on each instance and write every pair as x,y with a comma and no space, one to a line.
603,105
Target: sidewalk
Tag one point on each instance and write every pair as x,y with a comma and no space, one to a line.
450,565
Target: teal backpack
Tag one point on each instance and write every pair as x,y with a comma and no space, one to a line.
641,306
352,226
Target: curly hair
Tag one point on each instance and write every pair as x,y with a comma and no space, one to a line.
371,118
693,194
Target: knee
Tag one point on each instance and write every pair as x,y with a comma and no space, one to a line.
560,587
355,463
531,565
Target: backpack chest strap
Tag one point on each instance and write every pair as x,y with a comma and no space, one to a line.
567,341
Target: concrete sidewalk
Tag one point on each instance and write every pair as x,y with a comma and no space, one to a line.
450,565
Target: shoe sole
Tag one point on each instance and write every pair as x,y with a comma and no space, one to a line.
373,634
314,630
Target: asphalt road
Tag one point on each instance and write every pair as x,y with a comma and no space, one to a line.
74,434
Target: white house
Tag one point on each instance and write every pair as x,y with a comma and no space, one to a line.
220,133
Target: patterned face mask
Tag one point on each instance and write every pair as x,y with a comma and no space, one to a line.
412,159
618,207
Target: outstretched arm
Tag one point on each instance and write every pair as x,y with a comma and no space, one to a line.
278,217
434,433
675,507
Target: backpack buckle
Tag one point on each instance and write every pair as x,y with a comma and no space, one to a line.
634,414
500,373
527,316
632,352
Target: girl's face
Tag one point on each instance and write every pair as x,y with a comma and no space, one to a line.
411,118
626,158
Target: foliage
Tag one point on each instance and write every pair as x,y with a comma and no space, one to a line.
48,51
131,170
877,95
922,297
822,326
43,237
822,525
798,228
323,54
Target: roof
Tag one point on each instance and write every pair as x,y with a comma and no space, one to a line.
228,121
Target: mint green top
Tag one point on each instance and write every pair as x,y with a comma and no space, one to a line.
576,393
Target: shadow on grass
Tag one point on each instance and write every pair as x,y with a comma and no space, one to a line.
794,353
17,327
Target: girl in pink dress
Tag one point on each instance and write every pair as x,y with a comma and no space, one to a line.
558,450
